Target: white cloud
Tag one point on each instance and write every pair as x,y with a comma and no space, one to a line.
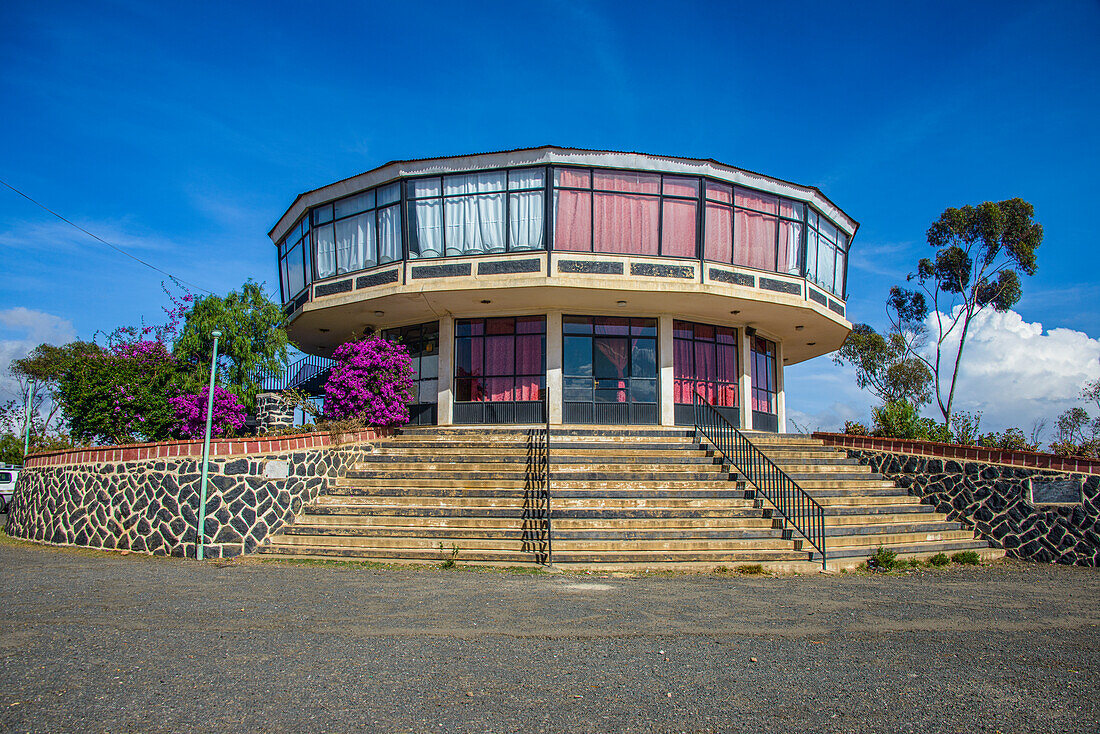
24,329
1015,373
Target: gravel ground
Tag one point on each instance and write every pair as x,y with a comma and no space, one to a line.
102,642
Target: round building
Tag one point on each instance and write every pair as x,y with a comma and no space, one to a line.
617,285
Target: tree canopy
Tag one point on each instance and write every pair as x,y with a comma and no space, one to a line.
981,252
253,339
884,366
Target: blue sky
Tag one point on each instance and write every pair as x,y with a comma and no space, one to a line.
182,135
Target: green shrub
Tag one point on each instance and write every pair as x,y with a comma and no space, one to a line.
967,558
936,431
965,427
940,559
1011,439
751,569
883,559
898,419
855,428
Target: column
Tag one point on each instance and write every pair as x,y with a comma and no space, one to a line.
445,396
745,365
780,398
554,362
666,373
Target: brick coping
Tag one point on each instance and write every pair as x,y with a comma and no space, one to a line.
219,447
1030,459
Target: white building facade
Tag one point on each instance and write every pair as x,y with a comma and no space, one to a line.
608,288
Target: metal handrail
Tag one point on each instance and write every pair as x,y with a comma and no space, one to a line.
546,479
792,502
297,373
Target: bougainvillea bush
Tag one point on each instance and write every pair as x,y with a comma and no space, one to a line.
371,381
228,413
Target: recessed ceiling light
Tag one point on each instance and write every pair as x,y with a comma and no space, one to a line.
735,312
323,331
799,328
810,344
379,313
486,300
620,304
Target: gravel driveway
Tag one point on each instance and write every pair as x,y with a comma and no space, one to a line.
99,642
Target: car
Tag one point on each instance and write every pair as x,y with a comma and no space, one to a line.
8,475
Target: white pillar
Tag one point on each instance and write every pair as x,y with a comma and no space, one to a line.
745,364
780,397
667,373
554,363
445,395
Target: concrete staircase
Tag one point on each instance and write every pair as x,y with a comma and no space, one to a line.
636,497
865,511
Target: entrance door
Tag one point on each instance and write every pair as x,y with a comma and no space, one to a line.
610,370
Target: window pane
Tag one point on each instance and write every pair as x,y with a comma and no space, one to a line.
295,278
841,259
825,256
626,224
389,234
525,227
638,183
527,178
573,221
827,229
611,326
643,391
322,214
326,250
757,200
389,194
355,242
719,192
680,186
576,324
611,357
678,228
790,247
474,224
426,232
792,209
429,391
531,325
755,243
643,358
718,239
355,204
577,356
573,177
811,254
423,187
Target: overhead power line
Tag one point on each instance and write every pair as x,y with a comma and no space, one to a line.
116,248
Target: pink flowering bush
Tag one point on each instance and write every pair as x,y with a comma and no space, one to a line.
371,381
229,414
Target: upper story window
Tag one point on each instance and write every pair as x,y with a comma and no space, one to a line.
826,254
358,232
591,210
754,229
476,213
294,261
621,212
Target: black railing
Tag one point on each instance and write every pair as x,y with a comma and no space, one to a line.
546,478
306,371
796,507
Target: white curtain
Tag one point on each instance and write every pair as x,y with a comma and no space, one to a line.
389,234
825,256
429,227
295,279
841,257
525,210
475,215
326,251
792,246
811,254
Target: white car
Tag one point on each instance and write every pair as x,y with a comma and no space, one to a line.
8,475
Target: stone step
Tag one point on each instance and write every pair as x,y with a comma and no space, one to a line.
443,453
869,525
556,430
557,503
610,514
824,469
465,543
865,501
910,549
721,492
383,525
896,537
534,482
556,459
474,474
812,484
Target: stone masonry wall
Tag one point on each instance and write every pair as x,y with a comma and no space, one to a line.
151,504
994,500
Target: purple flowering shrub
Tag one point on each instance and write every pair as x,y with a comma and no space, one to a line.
228,413
371,381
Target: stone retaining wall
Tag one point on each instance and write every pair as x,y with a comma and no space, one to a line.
108,497
995,500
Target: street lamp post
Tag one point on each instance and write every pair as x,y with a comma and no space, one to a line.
206,448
